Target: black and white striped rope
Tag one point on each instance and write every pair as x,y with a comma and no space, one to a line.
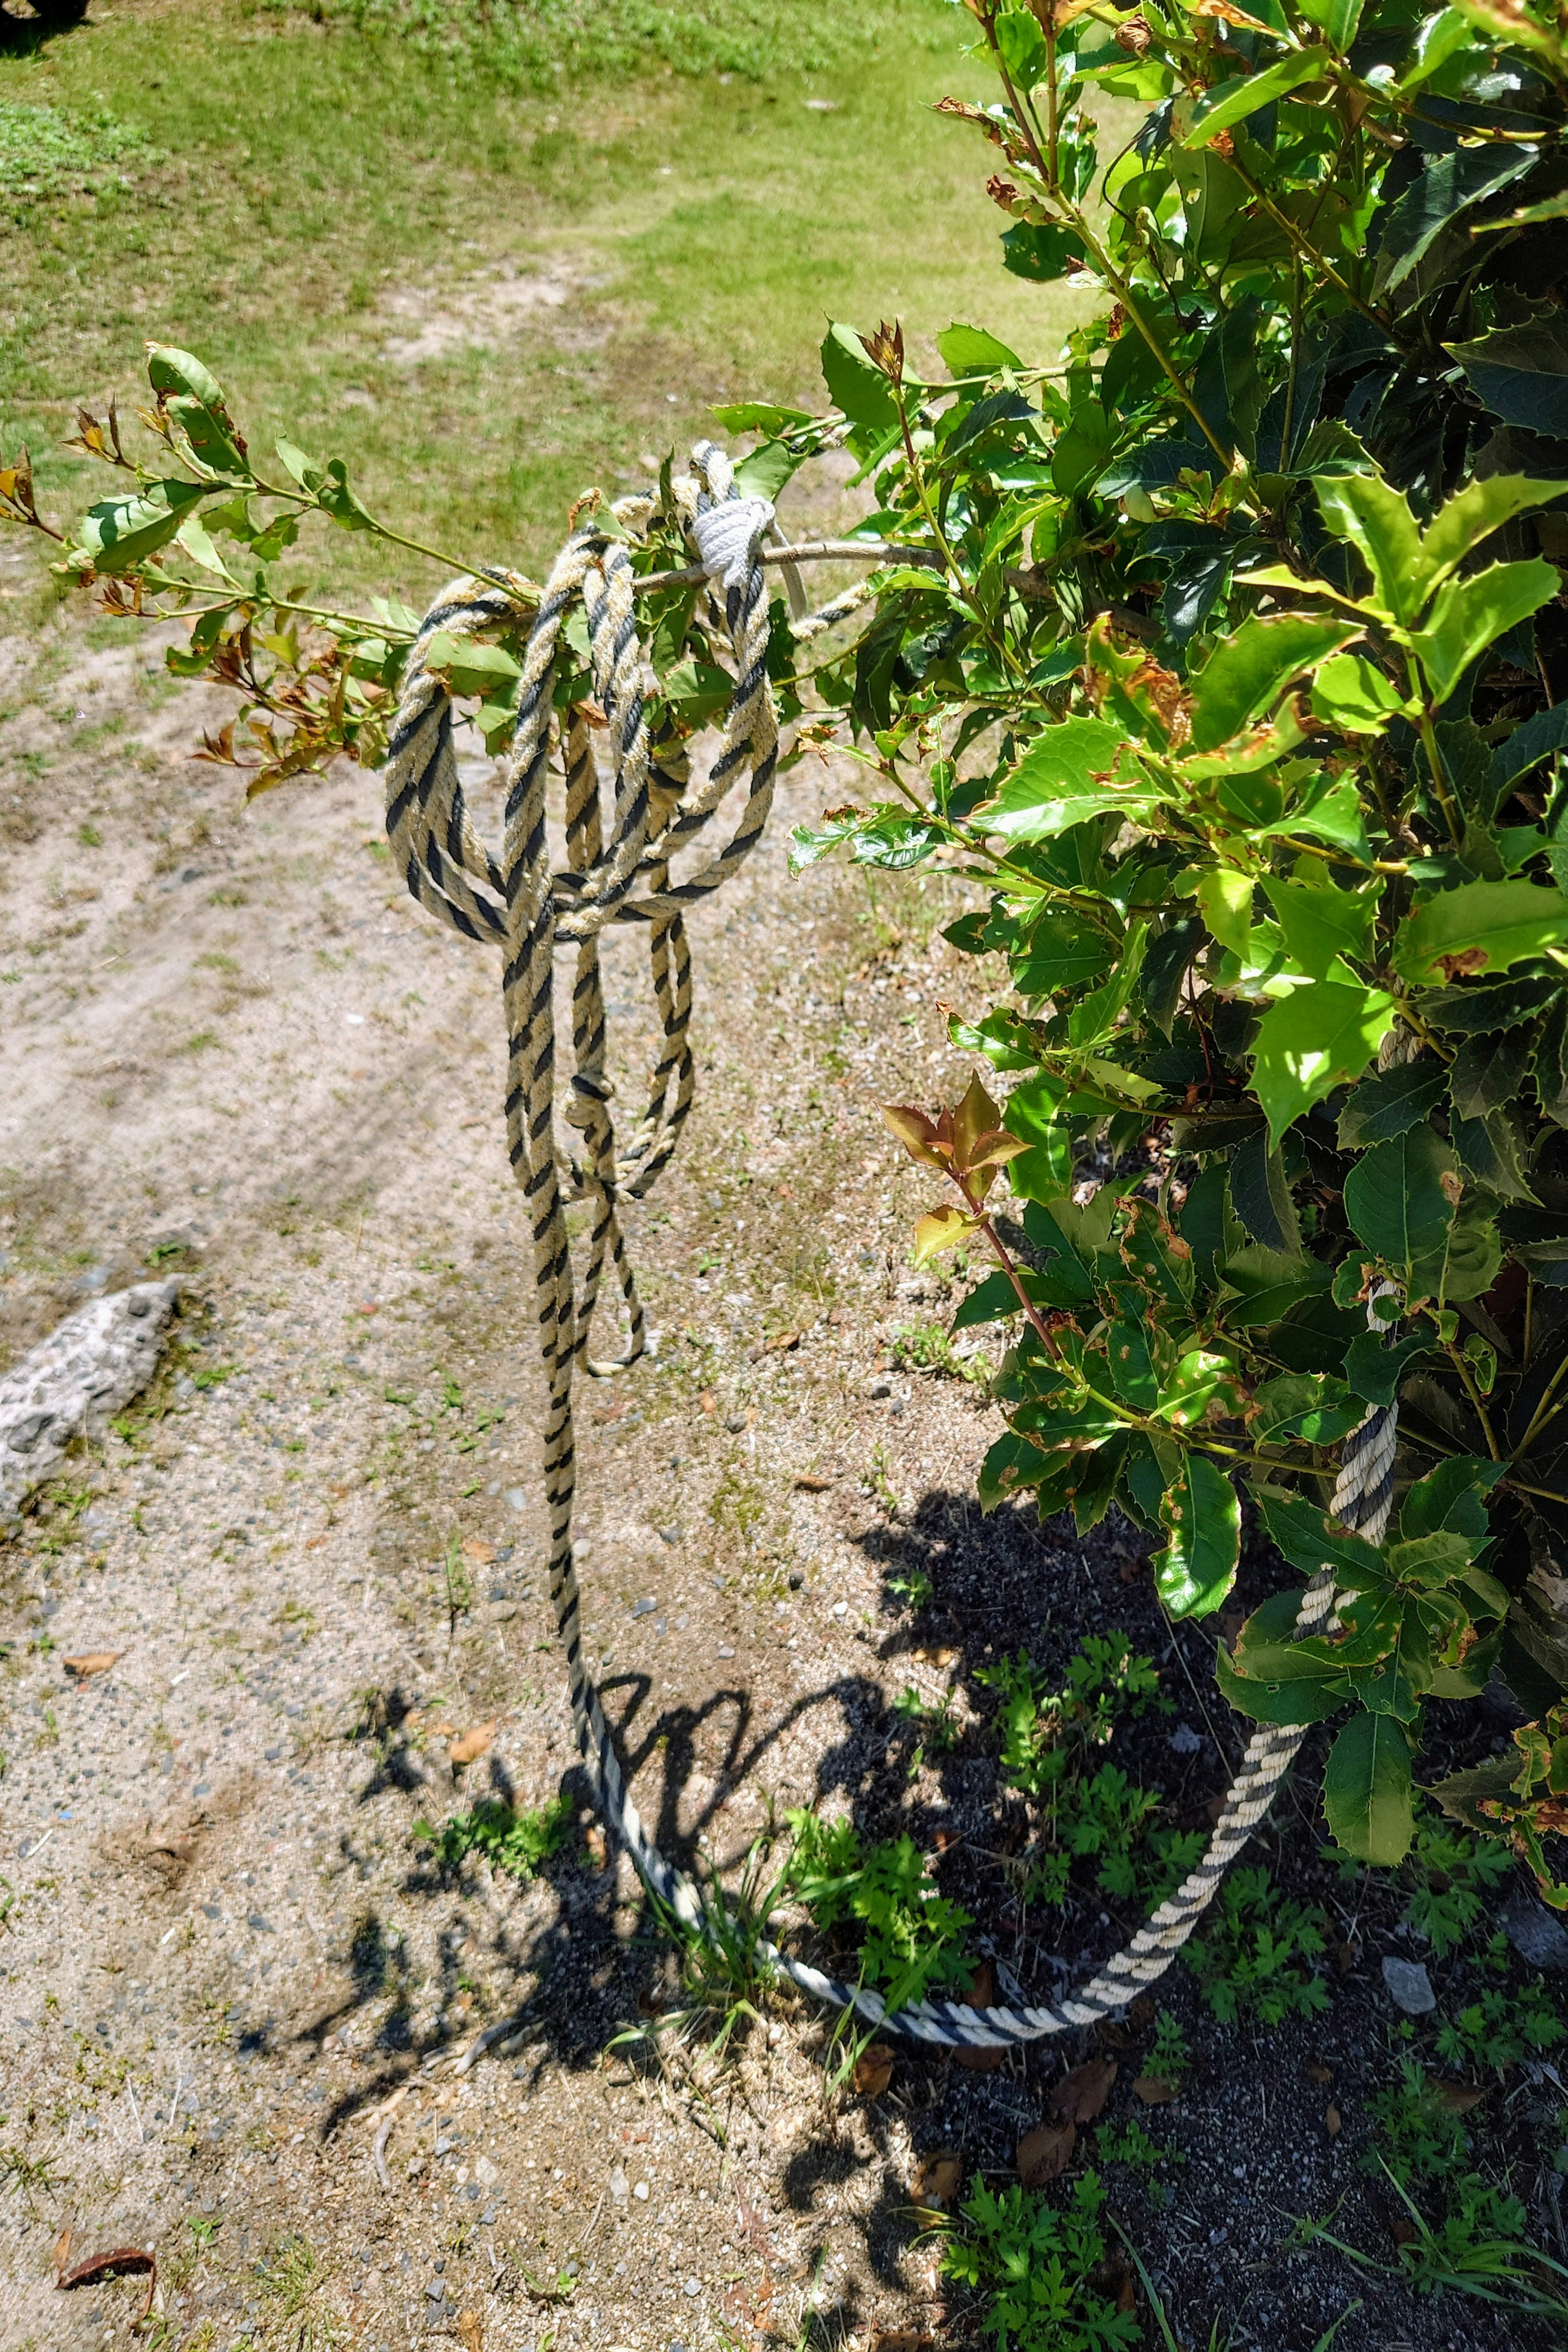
527,909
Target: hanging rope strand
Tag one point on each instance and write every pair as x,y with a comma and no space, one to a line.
528,910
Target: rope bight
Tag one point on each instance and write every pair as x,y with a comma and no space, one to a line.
526,909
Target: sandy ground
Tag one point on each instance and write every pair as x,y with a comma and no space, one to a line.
231,1049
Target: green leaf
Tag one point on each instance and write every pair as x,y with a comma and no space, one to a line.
1352,694
1244,94
1488,1072
1225,895
211,441
334,498
1391,1102
1264,1285
1378,522
1489,1150
1132,1370
990,1301
764,472
1367,1791
1260,1193
1302,1533
1478,509
1336,19
1247,673
856,387
305,470
1323,923
1067,774
970,350
1448,186
761,416
1374,1367
1302,1698
1471,1254
1521,372
1394,1196
170,369
1451,1498
1311,1042
1472,614
1475,1007
1303,1404
1083,448
120,533
1202,1519
1062,949
1034,1114
470,668
1479,927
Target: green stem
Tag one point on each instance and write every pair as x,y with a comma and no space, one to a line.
1446,800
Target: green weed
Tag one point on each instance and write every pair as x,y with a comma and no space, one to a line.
518,1844
1034,2263
1501,2026
1257,1951
927,1347
912,1936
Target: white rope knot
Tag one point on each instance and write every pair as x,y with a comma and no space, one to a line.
729,538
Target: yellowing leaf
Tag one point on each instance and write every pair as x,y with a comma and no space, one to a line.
941,1229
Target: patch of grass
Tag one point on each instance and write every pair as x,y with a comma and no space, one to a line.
291,2280
929,1348
518,1844
331,194
44,148
1258,1951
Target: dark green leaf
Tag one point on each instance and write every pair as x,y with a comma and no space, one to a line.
1488,1072
1374,1366
1303,1698
1521,372
1390,1102
1308,1543
120,533
1535,741
1231,102
1395,1200
1448,186
1451,1498
1550,1069
1500,923
989,1302
1477,1007
1303,1404
1261,1191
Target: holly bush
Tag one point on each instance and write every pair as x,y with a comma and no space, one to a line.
1228,652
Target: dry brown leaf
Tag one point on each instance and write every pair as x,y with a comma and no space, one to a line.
1332,2122
938,2179
1155,2091
62,2250
811,1482
1143,2011
92,1662
1458,2098
472,1743
1319,2073
874,2070
709,1401
782,1346
470,2331
982,1994
901,2339
482,1554
1045,2153
1080,2095
120,2262
1126,2295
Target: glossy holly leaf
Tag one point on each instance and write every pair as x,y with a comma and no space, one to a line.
1247,672
1390,1102
858,387
1477,511
1303,1404
1445,189
970,351
1520,372
1367,1791
990,1301
1309,1542
1079,769
1476,1007
1311,1042
1488,1072
1479,927
1374,1366
1352,694
1539,737
1233,100
1304,1696
1323,923
1396,1198
1473,613
1451,1499
1378,522
1201,1518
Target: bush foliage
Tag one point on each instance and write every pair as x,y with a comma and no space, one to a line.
1231,657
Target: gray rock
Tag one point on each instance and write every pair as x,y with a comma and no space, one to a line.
1540,1938
89,1367
1410,1987
1185,1740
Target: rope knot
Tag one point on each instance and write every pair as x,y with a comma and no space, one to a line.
729,538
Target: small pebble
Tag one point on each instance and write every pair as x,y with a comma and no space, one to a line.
1410,1987
841,1609
641,2192
881,1388
644,1608
1541,1941
725,1651
1185,1740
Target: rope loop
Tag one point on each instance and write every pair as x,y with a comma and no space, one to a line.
619,871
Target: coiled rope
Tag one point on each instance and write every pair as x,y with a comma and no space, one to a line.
526,909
